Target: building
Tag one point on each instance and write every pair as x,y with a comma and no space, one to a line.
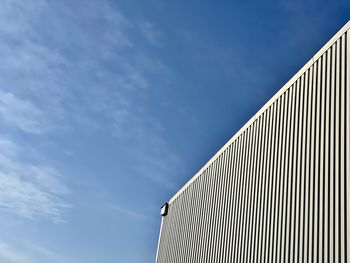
279,190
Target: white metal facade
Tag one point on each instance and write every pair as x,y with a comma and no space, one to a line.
279,190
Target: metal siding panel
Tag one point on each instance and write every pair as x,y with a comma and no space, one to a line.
304,230
284,239
185,225
331,228
316,240
265,185
189,219
278,192
226,208
321,159
194,220
289,152
220,208
177,227
257,192
347,138
197,256
288,172
269,182
239,200
230,204
277,176
174,227
261,188
244,183
342,190
298,175
214,221
182,226
326,172
293,167
211,233
205,222
312,164
236,199
160,242
246,195
280,228
308,234
165,237
188,222
253,192
337,192
174,230
272,191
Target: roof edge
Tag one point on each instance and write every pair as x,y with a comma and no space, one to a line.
284,88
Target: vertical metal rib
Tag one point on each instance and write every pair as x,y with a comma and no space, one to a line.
279,192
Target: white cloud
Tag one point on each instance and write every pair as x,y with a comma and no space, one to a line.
40,253
28,252
56,75
131,124
130,213
27,190
9,255
150,32
8,147
22,114
71,64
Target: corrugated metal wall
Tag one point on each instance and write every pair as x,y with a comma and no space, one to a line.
277,191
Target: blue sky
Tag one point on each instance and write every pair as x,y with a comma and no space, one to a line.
108,107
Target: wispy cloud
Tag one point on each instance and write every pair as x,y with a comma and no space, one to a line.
28,252
36,252
10,255
151,33
65,72
147,146
58,78
22,114
29,190
129,123
133,214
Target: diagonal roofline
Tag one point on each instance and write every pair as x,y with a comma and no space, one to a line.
284,88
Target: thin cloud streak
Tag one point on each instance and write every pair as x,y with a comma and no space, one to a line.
29,190
51,82
68,84
10,255
22,114
28,252
133,214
